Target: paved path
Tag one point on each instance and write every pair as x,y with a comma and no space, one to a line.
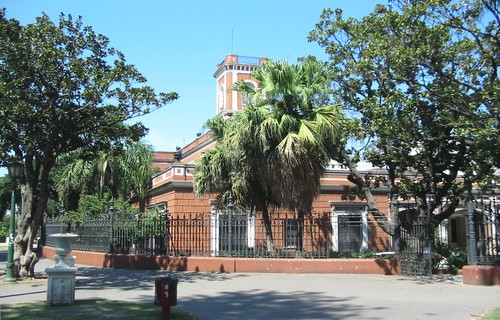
280,296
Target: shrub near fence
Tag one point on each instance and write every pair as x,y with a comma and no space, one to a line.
139,234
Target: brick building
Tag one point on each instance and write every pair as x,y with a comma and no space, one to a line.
337,223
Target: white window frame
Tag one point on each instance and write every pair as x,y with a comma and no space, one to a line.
214,226
351,209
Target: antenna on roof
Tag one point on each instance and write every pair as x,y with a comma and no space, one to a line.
232,40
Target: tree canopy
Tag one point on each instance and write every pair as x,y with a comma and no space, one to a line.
62,88
125,174
421,79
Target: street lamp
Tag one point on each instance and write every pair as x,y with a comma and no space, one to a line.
15,172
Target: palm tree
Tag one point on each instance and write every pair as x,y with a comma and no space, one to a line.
273,153
124,174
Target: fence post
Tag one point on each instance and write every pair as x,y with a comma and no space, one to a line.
230,207
111,219
471,231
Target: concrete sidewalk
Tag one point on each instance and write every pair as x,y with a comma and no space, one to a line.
279,296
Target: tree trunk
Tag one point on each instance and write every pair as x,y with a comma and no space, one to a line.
356,178
22,253
269,230
33,207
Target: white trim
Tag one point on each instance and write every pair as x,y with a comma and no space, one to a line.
251,230
214,226
357,209
234,93
214,219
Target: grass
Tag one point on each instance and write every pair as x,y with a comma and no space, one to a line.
90,310
492,314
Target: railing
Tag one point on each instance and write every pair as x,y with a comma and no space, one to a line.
248,60
244,235
415,248
486,232
241,234
115,233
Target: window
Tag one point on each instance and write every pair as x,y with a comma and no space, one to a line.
232,234
350,233
350,226
237,235
157,209
291,233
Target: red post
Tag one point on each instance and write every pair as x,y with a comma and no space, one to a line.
165,305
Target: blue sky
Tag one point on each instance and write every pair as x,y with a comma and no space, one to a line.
176,45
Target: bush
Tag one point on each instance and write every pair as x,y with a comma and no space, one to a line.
4,228
449,258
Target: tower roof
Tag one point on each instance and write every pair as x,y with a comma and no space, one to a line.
238,62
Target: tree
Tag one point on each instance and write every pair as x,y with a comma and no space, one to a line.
62,88
273,153
125,174
421,79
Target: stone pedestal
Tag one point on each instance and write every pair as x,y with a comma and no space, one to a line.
61,285
61,278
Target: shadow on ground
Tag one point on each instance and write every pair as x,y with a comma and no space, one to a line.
227,304
276,305
127,279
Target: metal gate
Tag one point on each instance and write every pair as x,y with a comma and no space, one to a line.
415,249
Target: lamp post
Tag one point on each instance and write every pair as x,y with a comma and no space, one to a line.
15,172
230,206
429,231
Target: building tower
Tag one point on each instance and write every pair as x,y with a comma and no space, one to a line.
232,69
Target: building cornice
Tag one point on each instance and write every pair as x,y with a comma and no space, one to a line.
169,186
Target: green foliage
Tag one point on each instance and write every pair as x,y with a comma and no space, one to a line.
64,80
5,194
63,88
91,309
421,79
122,173
365,254
449,256
93,206
491,314
4,228
274,151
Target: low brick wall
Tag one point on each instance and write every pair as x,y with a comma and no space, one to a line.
481,275
209,264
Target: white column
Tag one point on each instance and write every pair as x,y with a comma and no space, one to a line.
335,229
214,226
443,231
364,219
251,230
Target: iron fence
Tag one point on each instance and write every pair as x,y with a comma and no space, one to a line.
415,248
222,234
245,235
486,232
114,233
